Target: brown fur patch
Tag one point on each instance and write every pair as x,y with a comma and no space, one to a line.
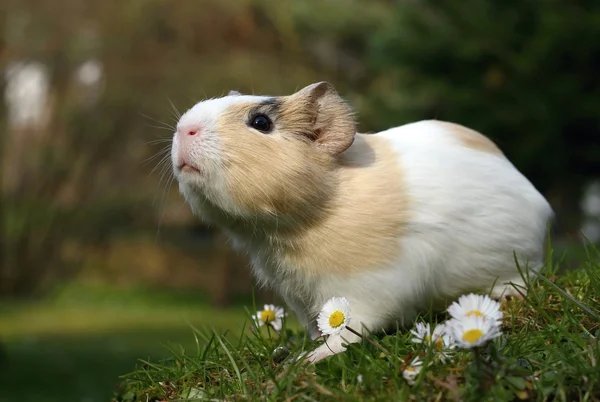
271,174
367,217
470,138
332,121
305,208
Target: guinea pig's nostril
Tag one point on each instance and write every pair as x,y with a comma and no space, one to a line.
189,130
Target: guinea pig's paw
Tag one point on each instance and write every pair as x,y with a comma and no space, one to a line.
316,355
515,296
331,347
508,291
313,356
314,332
303,357
309,357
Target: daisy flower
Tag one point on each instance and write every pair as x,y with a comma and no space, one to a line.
472,305
422,332
411,371
334,316
271,315
473,331
441,339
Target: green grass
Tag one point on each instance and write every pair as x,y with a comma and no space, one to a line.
74,345
549,350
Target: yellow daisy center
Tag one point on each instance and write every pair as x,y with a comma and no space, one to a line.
427,338
267,316
410,369
336,319
439,344
476,313
472,335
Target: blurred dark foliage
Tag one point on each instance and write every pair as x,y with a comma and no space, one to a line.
524,73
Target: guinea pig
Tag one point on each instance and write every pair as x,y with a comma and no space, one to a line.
396,221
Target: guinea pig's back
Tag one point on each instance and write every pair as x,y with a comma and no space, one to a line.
469,205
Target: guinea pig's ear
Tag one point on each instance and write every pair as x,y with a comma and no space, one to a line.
334,125
233,93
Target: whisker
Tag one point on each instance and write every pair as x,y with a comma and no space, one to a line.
165,125
162,165
162,153
169,129
161,208
162,204
159,141
164,171
175,111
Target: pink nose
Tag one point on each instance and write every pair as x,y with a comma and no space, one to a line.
189,130
187,135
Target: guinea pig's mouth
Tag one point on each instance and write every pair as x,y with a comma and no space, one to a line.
185,168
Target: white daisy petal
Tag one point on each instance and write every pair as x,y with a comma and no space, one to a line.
473,331
411,371
440,339
276,324
279,312
443,332
476,305
421,332
256,318
442,342
270,315
334,316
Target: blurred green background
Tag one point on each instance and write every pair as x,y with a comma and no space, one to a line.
102,262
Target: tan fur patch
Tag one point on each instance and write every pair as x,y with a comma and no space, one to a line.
366,219
470,138
272,173
333,125
309,210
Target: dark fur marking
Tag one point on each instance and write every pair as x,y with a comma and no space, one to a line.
270,107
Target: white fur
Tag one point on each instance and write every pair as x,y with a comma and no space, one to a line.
206,150
470,211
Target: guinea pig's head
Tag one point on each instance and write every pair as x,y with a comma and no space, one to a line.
262,156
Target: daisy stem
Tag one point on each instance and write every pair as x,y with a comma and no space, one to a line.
478,365
477,358
494,352
378,346
269,331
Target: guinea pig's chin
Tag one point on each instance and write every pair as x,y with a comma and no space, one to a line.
190,190
189,178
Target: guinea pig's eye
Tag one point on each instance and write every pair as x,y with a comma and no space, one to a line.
261,123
